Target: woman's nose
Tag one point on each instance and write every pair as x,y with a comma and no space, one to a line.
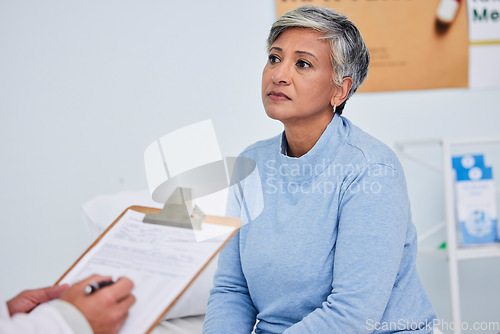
281,75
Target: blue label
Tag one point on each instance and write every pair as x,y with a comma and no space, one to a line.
471,168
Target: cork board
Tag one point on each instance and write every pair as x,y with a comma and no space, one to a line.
408,49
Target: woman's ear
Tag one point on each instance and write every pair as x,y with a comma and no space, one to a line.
342,92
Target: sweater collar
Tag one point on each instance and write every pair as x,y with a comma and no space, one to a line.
319,157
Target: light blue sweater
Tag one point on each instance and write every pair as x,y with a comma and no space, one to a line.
327,244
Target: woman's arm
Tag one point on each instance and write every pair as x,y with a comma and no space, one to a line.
374,214
230,308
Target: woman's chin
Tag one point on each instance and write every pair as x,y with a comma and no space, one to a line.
277,115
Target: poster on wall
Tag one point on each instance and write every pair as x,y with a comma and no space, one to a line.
416,44
484,35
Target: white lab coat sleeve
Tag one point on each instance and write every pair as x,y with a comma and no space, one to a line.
55,317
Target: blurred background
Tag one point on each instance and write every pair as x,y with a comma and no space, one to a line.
85,86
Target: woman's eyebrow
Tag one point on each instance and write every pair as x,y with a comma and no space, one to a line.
307,53
299,52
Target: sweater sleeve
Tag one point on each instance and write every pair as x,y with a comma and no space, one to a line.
230,308
372,221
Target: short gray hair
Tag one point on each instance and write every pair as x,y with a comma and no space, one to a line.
350,56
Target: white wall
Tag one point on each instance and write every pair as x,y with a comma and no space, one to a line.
86,86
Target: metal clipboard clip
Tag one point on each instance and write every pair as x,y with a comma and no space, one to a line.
179,211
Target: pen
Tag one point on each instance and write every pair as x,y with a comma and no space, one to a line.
94,286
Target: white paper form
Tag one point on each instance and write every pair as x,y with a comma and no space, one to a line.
160,260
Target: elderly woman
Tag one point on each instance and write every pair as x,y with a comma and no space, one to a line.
327,244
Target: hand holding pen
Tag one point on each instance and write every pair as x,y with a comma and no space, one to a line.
104,302
94,286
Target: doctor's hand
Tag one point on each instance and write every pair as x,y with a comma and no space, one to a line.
27,300
106,309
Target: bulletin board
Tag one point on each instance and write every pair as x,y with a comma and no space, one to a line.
409,48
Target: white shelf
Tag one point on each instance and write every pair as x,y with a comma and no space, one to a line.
453,253
478,252
464,253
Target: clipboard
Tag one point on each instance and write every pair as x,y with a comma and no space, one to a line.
78,269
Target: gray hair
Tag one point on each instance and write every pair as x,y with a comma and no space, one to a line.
350,56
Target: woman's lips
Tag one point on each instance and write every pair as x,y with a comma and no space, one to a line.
277,96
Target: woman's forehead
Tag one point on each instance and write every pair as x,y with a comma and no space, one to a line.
301,37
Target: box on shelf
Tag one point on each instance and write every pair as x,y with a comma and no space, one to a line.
475,200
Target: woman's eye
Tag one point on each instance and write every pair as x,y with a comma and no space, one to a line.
273,59
303,64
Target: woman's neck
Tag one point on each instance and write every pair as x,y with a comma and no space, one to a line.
301,136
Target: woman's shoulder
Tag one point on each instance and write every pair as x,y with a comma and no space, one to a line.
262,147
368,148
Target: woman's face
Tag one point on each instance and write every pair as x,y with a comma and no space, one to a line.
297,79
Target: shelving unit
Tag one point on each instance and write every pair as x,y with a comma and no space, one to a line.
453,253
